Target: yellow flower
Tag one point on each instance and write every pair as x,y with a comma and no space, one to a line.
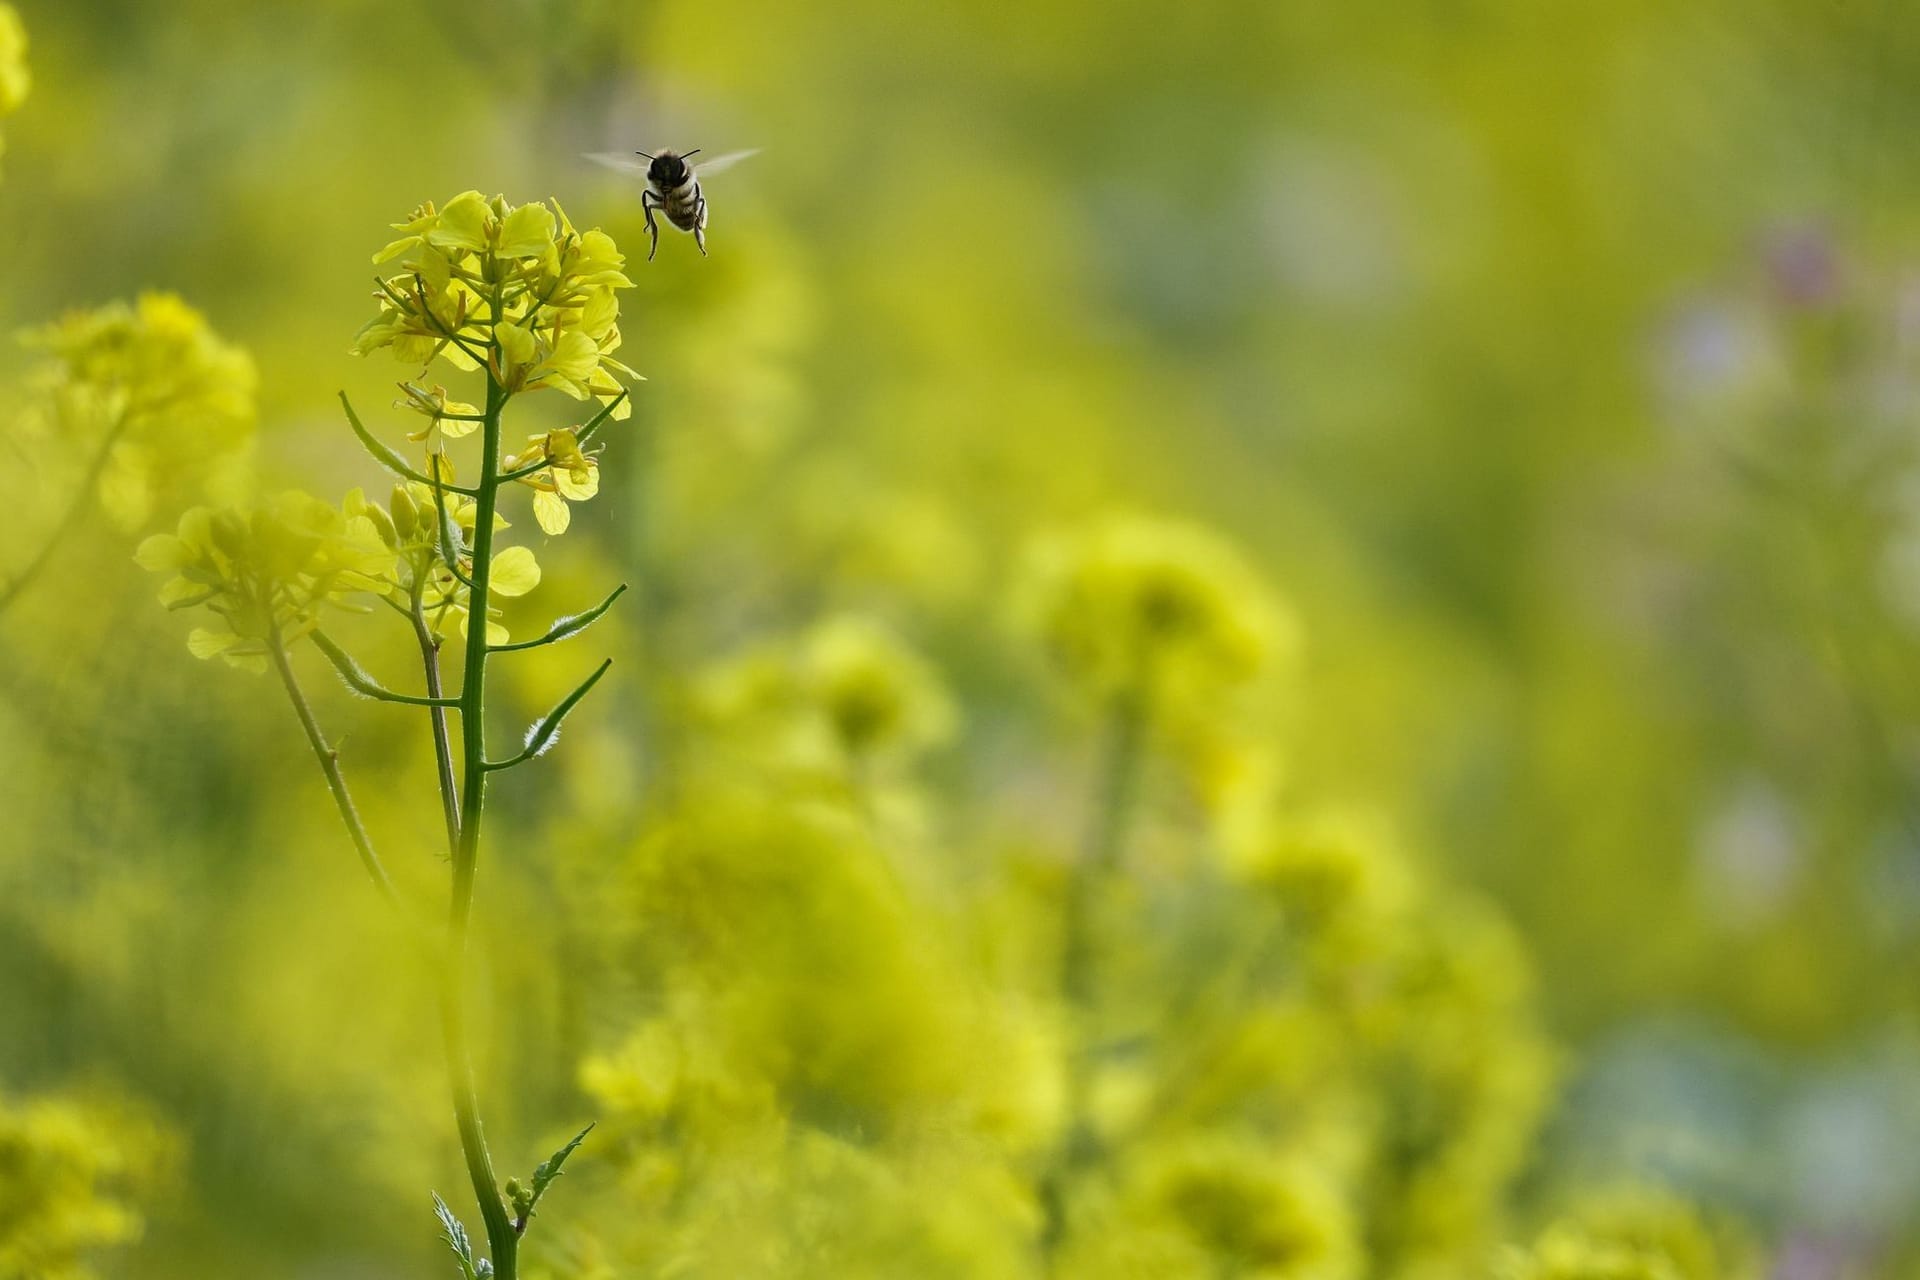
1328,868
152,382
848,691
1632,1235
265,572
1254,1210
1219,1205
569,475
449,418
15,79
1132,603
877,694
517,284
73,1175
410,527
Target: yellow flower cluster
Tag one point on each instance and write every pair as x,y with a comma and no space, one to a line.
410,526
72,1176
151,383
1212,1206
516,287
815,1061
1633,1235
847,692
267,571
1141,604
15,79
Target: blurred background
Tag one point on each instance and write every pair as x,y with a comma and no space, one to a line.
1556,367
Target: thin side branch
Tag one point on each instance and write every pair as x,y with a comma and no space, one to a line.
572,625
358,679
336,782
586,433
385,456
68,518
547,728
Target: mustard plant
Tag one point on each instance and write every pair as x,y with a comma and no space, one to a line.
1137,616
145,400
518,298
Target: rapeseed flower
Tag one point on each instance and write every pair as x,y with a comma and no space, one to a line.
848,693
446,418
266,571
151,383
410,525
1133,603
516,286
73,1175
561,474
1636,1234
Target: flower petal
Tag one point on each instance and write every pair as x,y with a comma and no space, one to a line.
515,572
550,510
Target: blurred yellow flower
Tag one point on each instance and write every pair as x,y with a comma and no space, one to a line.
847,692
15,79
1134,603
266,571
73,1175
878,695
1633,1234
1328,870
1217,1205
155,386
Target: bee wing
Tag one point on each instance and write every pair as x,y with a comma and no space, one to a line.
618,160
726,161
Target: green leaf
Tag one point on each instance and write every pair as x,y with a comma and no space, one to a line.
360,682
572,624
550,1168
543,1177
547,728
383,455
455,1234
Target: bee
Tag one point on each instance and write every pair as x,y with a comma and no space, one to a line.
673,188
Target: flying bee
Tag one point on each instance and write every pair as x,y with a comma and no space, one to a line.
673,188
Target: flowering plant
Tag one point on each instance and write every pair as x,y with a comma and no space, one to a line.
516,294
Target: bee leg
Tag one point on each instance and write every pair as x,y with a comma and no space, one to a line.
653,228
700,224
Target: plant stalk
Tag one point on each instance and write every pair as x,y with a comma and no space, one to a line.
437,716
68,518
1115,787
502,1240
330,766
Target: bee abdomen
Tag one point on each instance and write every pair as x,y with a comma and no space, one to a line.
681,204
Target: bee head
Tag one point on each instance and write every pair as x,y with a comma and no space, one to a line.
669,169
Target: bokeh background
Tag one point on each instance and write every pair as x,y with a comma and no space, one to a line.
1555,365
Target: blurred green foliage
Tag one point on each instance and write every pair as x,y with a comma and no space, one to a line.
1539,379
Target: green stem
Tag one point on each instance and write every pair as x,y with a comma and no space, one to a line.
1106,839
502,1241
1115,788
442,746
330,766
68,518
